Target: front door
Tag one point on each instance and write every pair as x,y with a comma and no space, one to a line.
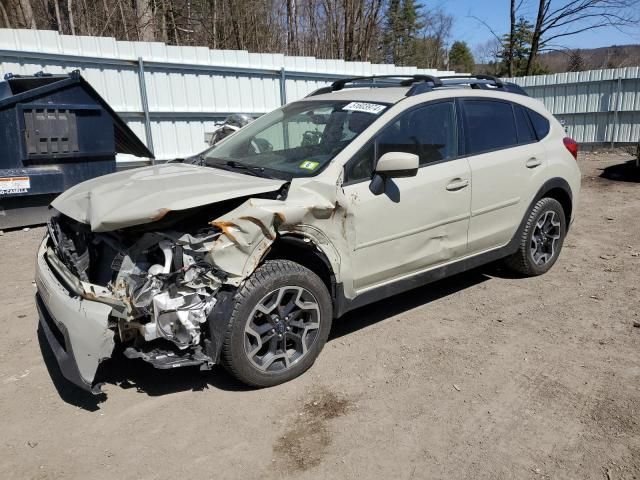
420,221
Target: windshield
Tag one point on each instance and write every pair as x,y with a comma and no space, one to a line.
297,140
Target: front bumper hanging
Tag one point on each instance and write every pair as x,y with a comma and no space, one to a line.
77,329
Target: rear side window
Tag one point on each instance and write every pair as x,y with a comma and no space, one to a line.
489,126
523,125
540,124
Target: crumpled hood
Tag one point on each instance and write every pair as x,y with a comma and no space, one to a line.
142,195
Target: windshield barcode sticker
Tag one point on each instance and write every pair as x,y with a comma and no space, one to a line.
10,185
374,108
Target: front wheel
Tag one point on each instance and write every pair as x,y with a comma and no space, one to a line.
541,239
280,323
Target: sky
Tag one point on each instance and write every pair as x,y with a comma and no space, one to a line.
496,14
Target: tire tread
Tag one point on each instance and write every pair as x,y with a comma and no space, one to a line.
262,274
519,262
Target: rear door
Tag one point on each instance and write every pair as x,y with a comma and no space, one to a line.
505,160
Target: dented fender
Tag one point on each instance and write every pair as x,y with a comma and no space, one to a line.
249,231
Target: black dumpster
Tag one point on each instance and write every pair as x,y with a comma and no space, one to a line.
56,131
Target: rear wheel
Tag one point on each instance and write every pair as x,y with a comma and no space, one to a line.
279,325
541,239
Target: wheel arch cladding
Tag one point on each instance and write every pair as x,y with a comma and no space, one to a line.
558,189
305,252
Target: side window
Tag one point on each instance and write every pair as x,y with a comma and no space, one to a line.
489,125
540,124
429,132
523,125
361,165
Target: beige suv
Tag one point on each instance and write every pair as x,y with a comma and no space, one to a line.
246,253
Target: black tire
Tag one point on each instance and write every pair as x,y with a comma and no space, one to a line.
271,277
523,261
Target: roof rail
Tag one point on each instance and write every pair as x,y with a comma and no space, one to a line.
421,83
404,81
496,81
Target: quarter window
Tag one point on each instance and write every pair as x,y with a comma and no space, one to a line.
540,124
523,125
489,126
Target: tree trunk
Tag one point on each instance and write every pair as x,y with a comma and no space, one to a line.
56,12
146,31
535,38
292,28
512,36
174,24
72,25
124,20
27,14
5,17
235,25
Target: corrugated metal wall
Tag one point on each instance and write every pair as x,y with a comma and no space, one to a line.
186,88
598,106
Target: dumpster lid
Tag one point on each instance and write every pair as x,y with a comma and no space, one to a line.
19,88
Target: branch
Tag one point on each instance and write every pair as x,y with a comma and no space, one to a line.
488,27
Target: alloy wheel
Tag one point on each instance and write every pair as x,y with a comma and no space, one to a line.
281,328
546,235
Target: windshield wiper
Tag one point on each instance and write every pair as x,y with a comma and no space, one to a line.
251,170
233,165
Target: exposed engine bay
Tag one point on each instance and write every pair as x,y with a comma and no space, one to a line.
161,285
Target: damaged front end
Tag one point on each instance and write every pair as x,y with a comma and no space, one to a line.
158,283
161,286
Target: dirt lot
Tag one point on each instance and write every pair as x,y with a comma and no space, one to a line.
479,376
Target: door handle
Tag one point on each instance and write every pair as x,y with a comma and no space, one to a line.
533,162
457,184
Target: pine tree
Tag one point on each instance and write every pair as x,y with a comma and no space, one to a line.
460,58
401,32
521,47
576,61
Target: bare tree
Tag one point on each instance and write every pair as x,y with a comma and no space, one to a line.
555,20
436,35
488,54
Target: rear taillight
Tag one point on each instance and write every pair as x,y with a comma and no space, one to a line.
571,145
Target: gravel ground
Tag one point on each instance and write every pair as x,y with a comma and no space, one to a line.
481,376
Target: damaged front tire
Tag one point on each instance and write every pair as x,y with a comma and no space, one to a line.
280,322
